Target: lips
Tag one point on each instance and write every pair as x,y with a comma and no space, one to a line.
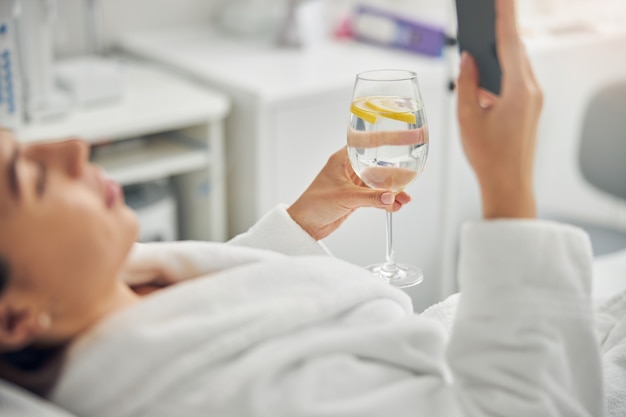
111,190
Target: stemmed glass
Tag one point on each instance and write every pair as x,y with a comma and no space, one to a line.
388,147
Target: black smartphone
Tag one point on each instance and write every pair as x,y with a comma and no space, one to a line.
477,35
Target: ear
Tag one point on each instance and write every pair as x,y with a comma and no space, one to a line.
18,324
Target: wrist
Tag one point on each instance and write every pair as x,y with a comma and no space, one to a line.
299,217
517,202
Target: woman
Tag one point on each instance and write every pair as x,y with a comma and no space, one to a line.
261,333
71,234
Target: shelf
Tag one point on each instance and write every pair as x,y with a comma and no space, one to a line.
153,101
164,125
156,158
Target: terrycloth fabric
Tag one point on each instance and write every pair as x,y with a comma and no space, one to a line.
17,402
277,232
611,328
276,336
443,312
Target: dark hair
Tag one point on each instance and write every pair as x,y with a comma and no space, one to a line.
32,368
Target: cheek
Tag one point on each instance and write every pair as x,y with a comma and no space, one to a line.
83,239
103,237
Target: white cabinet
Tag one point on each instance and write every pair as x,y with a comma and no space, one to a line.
182,127
290,113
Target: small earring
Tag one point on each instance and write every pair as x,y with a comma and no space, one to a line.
44,320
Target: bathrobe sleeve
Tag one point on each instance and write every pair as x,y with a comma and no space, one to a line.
168,262
522,343
278,232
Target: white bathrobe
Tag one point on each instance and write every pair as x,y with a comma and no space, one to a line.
260,333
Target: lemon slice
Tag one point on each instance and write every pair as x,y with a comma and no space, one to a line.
396,108
357,109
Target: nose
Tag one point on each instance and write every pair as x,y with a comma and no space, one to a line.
70,155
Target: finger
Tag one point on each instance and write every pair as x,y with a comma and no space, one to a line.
468,103
508,44
518,78
486,99
377,198
394,201
338,160
387,198
396,207
355,197
403,198
528,69
340,154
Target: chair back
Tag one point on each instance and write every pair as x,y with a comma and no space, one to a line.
602,153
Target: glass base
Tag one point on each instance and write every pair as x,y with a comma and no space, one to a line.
398,275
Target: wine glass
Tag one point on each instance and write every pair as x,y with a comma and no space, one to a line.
388,147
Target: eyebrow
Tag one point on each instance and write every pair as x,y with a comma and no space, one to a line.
12,174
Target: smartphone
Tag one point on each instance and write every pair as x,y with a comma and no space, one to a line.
477,35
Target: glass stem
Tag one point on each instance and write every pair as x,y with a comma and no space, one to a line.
390,261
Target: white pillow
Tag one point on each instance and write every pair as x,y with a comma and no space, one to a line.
15,401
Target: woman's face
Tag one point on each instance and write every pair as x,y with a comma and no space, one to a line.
64,228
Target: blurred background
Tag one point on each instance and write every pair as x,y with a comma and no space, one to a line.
211,112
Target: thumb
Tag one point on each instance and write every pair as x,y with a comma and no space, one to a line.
387,198
468,90
372,198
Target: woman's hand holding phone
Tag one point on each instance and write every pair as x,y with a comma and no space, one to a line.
499,138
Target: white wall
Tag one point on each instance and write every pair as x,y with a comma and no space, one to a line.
120,16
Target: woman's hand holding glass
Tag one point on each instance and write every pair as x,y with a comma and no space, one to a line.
336,193
329,200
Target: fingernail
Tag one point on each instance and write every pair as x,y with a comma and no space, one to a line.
387,198
464,58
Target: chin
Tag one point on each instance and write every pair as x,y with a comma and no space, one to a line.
131,224
134,225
